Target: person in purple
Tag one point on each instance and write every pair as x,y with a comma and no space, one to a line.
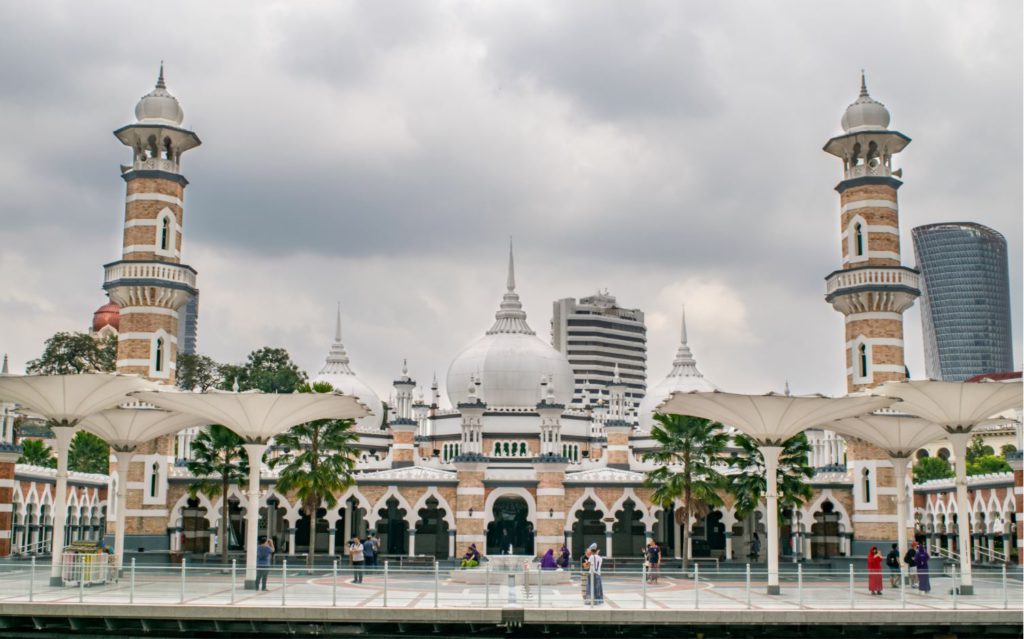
547,562
563,558
924,583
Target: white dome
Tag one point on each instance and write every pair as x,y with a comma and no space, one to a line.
337,373
684,378
159,106
510,361
866,113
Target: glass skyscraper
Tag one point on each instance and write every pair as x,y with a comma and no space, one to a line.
965,300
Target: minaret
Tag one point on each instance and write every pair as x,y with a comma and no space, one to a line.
403,426
616,428
150,284
871,290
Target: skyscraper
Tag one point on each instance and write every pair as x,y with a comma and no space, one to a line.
188,325
596,334
965,302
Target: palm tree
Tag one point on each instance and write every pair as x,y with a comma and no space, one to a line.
37,453
692,445
218,460
317,462
750,484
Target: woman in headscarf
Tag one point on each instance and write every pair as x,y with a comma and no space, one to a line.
472,557
875,571
564,558
924,582
547,562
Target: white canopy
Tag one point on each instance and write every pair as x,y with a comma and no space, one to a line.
256,416
770,419
898,434
128,426
67,399
956,406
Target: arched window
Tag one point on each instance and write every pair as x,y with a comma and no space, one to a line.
158,358
866,485
862,359
165,234
153,479
858,239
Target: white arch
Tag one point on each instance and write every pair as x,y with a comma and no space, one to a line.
815,506
372,517
431,491
647,517
531,506
212,515
588,493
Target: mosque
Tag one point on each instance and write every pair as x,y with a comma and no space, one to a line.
504,464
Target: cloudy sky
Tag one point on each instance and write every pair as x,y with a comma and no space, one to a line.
381,154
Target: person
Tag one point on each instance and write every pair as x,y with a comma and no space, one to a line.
585,575
356,556
264,556
755,547
563,558
370,545
875,571
924,582
472,557
892,560
597,592
547,562
652,561
908,559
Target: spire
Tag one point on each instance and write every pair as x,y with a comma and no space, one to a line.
337,362
405,367
684,365
5,370
510,283
160,84
510,318
787,388
682,338
863,85
337,325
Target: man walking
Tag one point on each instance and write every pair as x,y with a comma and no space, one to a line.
597,593
370,546
356,555
910,560
264,556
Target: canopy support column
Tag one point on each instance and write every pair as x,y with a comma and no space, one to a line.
123,458
771,466
963,514
899,465
62,435
252,512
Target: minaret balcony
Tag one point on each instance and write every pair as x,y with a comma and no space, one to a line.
872,288
132,274
154,164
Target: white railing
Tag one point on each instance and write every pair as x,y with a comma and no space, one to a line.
150,271
155,164
883,275
862,170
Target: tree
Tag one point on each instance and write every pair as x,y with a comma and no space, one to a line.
218,461
73,353
196,372
932,468
88,453
987,464
977,449
1007,449
37,453
317,462
792,474
270,370
691,445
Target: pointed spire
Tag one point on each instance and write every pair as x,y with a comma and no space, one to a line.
5,370
786,390
510,318
405,367
510,283
684,364
682,339
863,85
160,84
337,362
337,325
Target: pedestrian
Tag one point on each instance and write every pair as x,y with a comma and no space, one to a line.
875,571
909,560
924,582
892,560
264,558
357,557
597,590
585,579
755,547
472,557
547,562
652,561
564,558
370,545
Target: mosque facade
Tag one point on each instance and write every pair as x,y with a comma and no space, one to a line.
506,463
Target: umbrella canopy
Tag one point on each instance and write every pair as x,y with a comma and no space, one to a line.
67,399
898,434
956,406
126,427
256,416
771,419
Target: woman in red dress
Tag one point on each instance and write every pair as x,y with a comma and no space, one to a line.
875,571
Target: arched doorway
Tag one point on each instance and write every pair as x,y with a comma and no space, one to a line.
709,536
194,527
432,530
308,535
510,527
628,531
588,528
392,529
355,519
825,532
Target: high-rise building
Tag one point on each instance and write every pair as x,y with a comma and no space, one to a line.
965,301
188,325
596,335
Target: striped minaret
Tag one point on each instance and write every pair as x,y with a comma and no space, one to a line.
871,290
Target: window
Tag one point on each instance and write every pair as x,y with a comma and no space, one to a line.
862,356
165,234
153,479
158,358
858,239
866,485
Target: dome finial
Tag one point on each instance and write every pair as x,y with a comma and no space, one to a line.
337,325
405,367
863,85
5,370
160,84
511,281
682,337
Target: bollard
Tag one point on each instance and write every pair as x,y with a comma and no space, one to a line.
284,580
1006,601
234,568
696,586
540,588
436,579
32,578
182,580
800,585
386,584
334,583
590,580
487,587
904,584
851,586
955,588
81,582
643,572
748,586
131,584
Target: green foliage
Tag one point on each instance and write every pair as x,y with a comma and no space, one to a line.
317,462
792,475
977,449
988,464
73,353
693,445
932,468
37,453
196,372
218,460
88,453
1006,449
270,370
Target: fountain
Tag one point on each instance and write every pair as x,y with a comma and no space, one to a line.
502,569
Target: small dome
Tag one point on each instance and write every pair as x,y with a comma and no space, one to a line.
866,113
107,315
159,106
339,374
684,378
